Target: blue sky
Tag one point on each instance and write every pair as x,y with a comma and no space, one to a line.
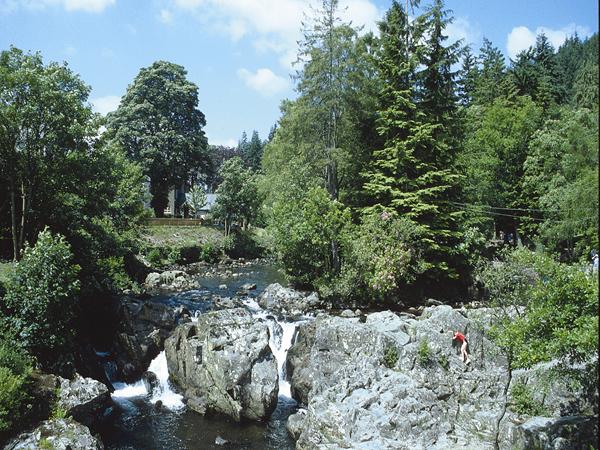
239,52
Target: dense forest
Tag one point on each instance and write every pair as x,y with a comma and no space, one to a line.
404,165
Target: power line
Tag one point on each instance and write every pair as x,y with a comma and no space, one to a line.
510,209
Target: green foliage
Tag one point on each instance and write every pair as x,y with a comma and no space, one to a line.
46,444
58,411
241,244
196,199
15,366
390,357
522,401
41,299
382,256
238,199
159,126
303,231
549,310
424,353
443,362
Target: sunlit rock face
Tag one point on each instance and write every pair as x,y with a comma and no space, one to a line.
390,381
224,364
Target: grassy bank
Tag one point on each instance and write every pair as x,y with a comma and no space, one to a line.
181,236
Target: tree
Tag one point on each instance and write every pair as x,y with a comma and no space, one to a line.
491,82
160,127
253,152
411,175
43,117
44,285
196,199
467,77
237,196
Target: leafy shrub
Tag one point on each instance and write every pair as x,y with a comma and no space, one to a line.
381,256
424,353
155,257
240,244
390,357
523,401
210,253
41,299
114,269
443,362
15,366
190,255
547,309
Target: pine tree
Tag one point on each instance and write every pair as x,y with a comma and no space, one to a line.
492,82
410,175
253,153
467,77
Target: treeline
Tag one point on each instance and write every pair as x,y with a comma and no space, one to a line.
404,155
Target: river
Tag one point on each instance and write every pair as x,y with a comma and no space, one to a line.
140,424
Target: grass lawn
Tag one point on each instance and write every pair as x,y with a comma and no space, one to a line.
180,236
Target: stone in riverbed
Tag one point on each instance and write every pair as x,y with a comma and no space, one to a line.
224,364
287,301
85,399
58,434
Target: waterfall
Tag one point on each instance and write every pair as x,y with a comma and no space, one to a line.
280,341
162,392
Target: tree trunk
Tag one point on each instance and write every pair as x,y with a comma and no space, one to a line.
24,207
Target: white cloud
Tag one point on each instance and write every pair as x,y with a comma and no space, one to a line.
264,81
104,105
92,6
273,25
224,142
521,38
165,16
461,28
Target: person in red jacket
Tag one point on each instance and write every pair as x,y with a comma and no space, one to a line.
464,346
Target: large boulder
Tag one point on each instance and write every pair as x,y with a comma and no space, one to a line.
224,364
169,280
287,301
57,434
395,382
88,401
143,327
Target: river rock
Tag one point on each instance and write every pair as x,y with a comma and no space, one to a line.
57,434
85,399
224,364
397,382
169,280
287,301
143,326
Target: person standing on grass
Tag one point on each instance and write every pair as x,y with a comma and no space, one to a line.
464,346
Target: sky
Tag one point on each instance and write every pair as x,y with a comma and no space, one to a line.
240,52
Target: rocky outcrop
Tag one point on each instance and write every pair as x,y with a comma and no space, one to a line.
396,382
224,364
169,280
57,434
287,301
143,327
86,400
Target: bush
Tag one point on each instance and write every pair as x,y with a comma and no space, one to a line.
210,253
116,277
424,353
155,257
548,310
190,255
240,244
390,357
41,299
524,403
15,367
443,362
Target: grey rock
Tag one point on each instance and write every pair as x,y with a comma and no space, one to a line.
150,381
85,399
287,301
224,364
248,286
220,441
347,313
58,434
169,280
428,399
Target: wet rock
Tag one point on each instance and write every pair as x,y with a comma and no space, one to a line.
248,286
142,329
222,287
57,434
169,280
347,313
84,399
287,301
224,364
150,381
220,441
396,382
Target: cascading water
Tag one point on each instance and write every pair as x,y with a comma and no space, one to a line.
162,392
282,335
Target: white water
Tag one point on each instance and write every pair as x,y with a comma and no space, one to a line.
280,342
163,392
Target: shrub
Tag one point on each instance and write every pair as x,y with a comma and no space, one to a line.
443,362
424,353
210,253
552,313
189,255
113,268
524,403
240,244
41,299
390,357
15,367
155,257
